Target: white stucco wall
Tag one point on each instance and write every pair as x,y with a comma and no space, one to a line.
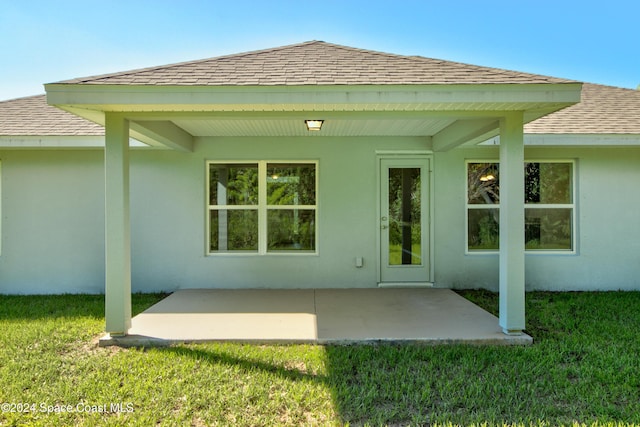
608,228
169,216
53,219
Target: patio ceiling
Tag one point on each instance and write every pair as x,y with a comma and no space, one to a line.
451,114
331,127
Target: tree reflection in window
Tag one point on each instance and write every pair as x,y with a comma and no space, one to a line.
549,206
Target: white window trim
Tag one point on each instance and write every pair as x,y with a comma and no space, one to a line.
573,206
261,207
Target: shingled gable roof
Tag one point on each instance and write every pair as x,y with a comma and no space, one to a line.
602,110
316,63
31,116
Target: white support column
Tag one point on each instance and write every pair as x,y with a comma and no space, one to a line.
512,316
117,228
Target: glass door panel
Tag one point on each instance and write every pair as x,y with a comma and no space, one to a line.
405,234
404,229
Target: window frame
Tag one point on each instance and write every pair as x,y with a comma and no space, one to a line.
261,207
572,206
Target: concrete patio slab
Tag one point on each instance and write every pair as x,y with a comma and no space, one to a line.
323,316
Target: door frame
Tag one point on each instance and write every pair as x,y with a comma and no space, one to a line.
422,156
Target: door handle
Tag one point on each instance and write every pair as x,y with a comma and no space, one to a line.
383,226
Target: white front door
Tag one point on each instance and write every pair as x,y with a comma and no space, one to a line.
404,220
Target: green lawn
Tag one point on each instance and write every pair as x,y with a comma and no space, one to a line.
583,369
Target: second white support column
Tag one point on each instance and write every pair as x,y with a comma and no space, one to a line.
117,226
512,281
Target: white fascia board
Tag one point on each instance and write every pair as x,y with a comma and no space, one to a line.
71,141
574,140
123,98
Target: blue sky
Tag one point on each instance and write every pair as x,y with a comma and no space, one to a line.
43,41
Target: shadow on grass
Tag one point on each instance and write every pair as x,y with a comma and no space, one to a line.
290,373
582,369
369,383
391,384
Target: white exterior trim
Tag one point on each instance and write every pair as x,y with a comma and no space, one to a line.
574,140
71,141
436,97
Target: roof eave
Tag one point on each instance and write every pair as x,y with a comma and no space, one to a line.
58,142
574,140
537,98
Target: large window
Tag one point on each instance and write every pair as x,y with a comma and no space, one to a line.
262,207
549,206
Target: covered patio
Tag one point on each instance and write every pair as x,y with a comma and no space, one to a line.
252,107
321,316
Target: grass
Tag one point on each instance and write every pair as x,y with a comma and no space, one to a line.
583,369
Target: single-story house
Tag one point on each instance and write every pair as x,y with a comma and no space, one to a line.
317,165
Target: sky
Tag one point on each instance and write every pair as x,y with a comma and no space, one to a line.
45,41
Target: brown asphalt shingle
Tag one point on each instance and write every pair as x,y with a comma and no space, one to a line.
602,110
32,116
315,63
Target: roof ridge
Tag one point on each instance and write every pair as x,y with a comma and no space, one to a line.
439,60
314,62
182,63
361,50
253,52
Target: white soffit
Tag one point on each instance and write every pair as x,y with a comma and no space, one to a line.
331,127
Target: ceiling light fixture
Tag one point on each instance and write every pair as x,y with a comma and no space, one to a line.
314,125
